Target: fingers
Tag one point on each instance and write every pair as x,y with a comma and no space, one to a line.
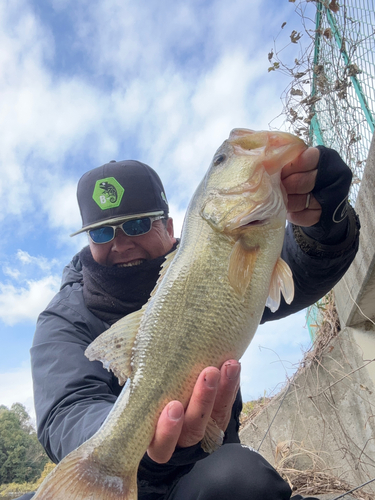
300,182
305,162
227,392
298,178
200,407
299,202
213,397
303,209
306,218
167,433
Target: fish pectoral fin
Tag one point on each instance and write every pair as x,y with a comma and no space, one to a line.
114,346
281,282
213,438
241,266
77,477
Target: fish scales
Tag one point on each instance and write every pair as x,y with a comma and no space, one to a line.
204,310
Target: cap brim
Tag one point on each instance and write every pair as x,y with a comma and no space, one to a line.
116,220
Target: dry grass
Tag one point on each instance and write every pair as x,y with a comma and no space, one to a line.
252,408
328,329
316,480
290,457
313,482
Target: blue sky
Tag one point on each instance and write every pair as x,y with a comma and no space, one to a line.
83,82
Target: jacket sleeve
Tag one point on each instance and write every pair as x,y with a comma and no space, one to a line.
72,395
320,255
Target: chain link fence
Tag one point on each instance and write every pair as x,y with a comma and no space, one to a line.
331,97
343,86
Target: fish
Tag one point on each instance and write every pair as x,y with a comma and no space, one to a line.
204,310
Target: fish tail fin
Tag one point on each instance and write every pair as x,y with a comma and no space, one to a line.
78,477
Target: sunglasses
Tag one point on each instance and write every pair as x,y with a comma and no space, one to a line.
132,227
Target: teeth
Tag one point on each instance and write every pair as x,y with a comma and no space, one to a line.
132,263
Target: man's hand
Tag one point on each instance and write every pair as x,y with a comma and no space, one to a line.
213,396
299,178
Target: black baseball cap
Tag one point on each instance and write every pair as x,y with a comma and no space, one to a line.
118,191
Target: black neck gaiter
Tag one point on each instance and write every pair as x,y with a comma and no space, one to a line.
113,292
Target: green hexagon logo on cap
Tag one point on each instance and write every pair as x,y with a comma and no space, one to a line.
107,193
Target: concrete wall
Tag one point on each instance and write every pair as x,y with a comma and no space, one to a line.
327,420
355,294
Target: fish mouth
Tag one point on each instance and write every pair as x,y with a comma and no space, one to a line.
257,222
258,215
275,149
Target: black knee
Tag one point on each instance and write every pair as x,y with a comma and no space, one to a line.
241,473
233,472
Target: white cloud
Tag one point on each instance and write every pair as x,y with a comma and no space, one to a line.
19,304
42,118
172,103
14,274
16,387
24,257
133,38
62,207
42,262
22,266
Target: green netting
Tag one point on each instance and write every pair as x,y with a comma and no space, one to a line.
343,89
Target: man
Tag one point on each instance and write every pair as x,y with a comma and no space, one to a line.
125,214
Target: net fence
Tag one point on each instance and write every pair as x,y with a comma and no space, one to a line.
331,96
343,88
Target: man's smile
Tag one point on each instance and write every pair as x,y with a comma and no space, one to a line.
131,263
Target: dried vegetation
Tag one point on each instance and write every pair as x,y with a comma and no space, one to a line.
318,477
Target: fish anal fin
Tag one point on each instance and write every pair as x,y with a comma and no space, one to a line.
213,437
281,282
78,477
241,266
114,346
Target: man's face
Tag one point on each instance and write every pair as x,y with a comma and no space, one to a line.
126,250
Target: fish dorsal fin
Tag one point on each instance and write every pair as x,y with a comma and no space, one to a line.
281,282
213,437
241,266
114,346
163,269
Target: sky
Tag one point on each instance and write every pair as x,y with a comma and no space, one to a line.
83,82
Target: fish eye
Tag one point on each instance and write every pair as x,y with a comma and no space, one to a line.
219,159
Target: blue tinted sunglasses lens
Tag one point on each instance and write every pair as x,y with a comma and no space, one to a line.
135,227
102,234
132,227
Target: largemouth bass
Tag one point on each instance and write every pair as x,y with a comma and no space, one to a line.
204,310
